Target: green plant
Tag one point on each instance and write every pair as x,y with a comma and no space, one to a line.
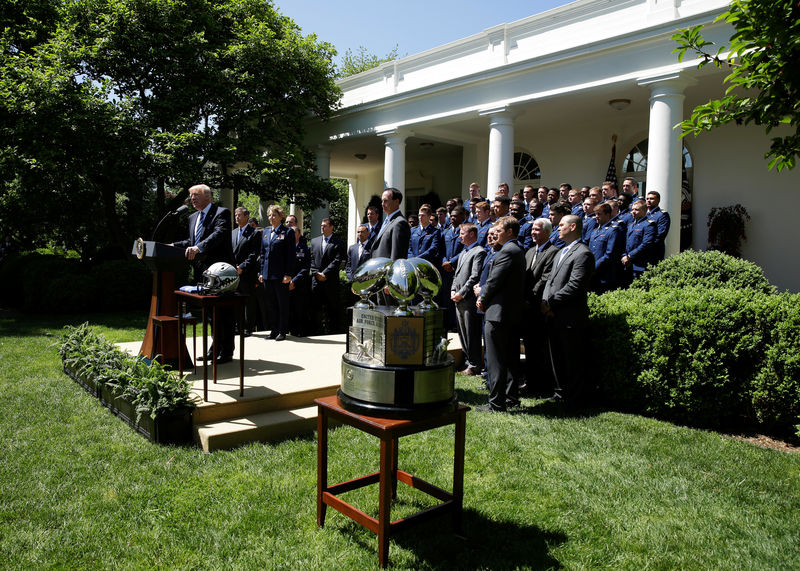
150,387
726,229
704,270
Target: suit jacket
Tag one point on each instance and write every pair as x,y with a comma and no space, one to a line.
328,260
566,289
302,263
502,293
277,252
373,232
468,272
214,243
354,260
392,242
537,273
245,253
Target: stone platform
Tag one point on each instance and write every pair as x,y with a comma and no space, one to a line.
281,381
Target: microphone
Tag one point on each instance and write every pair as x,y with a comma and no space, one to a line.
178,212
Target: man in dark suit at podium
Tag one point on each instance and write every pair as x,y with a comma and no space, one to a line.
209,242
246,244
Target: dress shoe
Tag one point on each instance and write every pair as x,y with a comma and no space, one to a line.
273,335
206,357
280,337
221,360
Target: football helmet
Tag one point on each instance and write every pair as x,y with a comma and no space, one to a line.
219,278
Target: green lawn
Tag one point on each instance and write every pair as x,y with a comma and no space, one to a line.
79,489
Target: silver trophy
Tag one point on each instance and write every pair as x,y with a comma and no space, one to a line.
368,279
430,282
402,281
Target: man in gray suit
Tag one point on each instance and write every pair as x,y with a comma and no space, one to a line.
564,306
501,299
395,233
538,265
467,274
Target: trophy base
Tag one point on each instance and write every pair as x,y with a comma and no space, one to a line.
397,392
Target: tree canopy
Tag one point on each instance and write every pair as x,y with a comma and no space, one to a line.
353,63
764,80
110,108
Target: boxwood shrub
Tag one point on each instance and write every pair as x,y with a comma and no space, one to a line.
704,269
702,346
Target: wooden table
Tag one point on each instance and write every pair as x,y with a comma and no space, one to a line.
213,302
388,431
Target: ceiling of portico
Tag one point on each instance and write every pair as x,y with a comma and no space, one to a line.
578,112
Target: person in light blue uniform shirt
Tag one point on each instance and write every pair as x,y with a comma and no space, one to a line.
483,221
524,238
426,240
589,219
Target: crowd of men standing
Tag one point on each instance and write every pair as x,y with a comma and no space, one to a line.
518,267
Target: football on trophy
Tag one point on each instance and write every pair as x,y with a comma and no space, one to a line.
402,281
430,280
369,278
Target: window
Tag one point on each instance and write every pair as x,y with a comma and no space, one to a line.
526,171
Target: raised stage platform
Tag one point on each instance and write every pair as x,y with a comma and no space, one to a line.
281,381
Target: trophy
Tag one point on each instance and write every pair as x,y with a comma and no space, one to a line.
430,281
368,279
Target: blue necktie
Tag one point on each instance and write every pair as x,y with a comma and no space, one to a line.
199,231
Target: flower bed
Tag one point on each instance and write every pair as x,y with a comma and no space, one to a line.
152,399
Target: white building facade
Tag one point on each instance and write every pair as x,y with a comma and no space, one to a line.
539,100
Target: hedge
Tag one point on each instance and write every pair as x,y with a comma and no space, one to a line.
723,352
49,283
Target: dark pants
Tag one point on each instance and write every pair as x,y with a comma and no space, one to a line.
538,366
300,308
469,333
326,304
277,294
565,338
502,343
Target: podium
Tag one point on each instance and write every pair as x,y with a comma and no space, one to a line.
163,336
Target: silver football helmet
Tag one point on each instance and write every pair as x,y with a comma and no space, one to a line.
220,278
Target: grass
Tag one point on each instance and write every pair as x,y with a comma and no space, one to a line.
79,489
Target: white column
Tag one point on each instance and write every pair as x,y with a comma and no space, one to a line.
353,214
501,149
323,160
665,148
394,162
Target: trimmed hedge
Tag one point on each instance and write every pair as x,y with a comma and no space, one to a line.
49,283
721,353
704,269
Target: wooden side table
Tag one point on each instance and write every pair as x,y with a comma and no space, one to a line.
213,302
388,431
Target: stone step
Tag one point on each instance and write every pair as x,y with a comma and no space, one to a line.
263,427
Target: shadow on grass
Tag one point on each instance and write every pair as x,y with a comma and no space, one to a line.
486,543
549,409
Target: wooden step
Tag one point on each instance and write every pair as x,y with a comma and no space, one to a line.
263,427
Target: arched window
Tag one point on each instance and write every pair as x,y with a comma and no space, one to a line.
526,171
635,166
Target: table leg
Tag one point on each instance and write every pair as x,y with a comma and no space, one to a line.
395,443
384,502
180,348
458,471
215,341
322,463
241,349
205,353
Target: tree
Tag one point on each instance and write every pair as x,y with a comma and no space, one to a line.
106,106
362,61
764,80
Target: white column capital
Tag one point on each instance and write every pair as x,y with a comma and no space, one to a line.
671,83
500,115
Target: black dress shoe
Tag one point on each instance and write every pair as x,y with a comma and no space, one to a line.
280,337
206,357
487,408
226,359
273,335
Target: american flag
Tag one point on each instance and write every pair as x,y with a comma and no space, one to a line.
611,175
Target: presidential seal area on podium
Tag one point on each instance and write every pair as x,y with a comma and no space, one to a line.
397,364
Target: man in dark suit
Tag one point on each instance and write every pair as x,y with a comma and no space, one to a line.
395,233
300,286
209,242
500,299
277,263
358,253
538,264
373,224
246,244
327,253
467,274
564,306
662,219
